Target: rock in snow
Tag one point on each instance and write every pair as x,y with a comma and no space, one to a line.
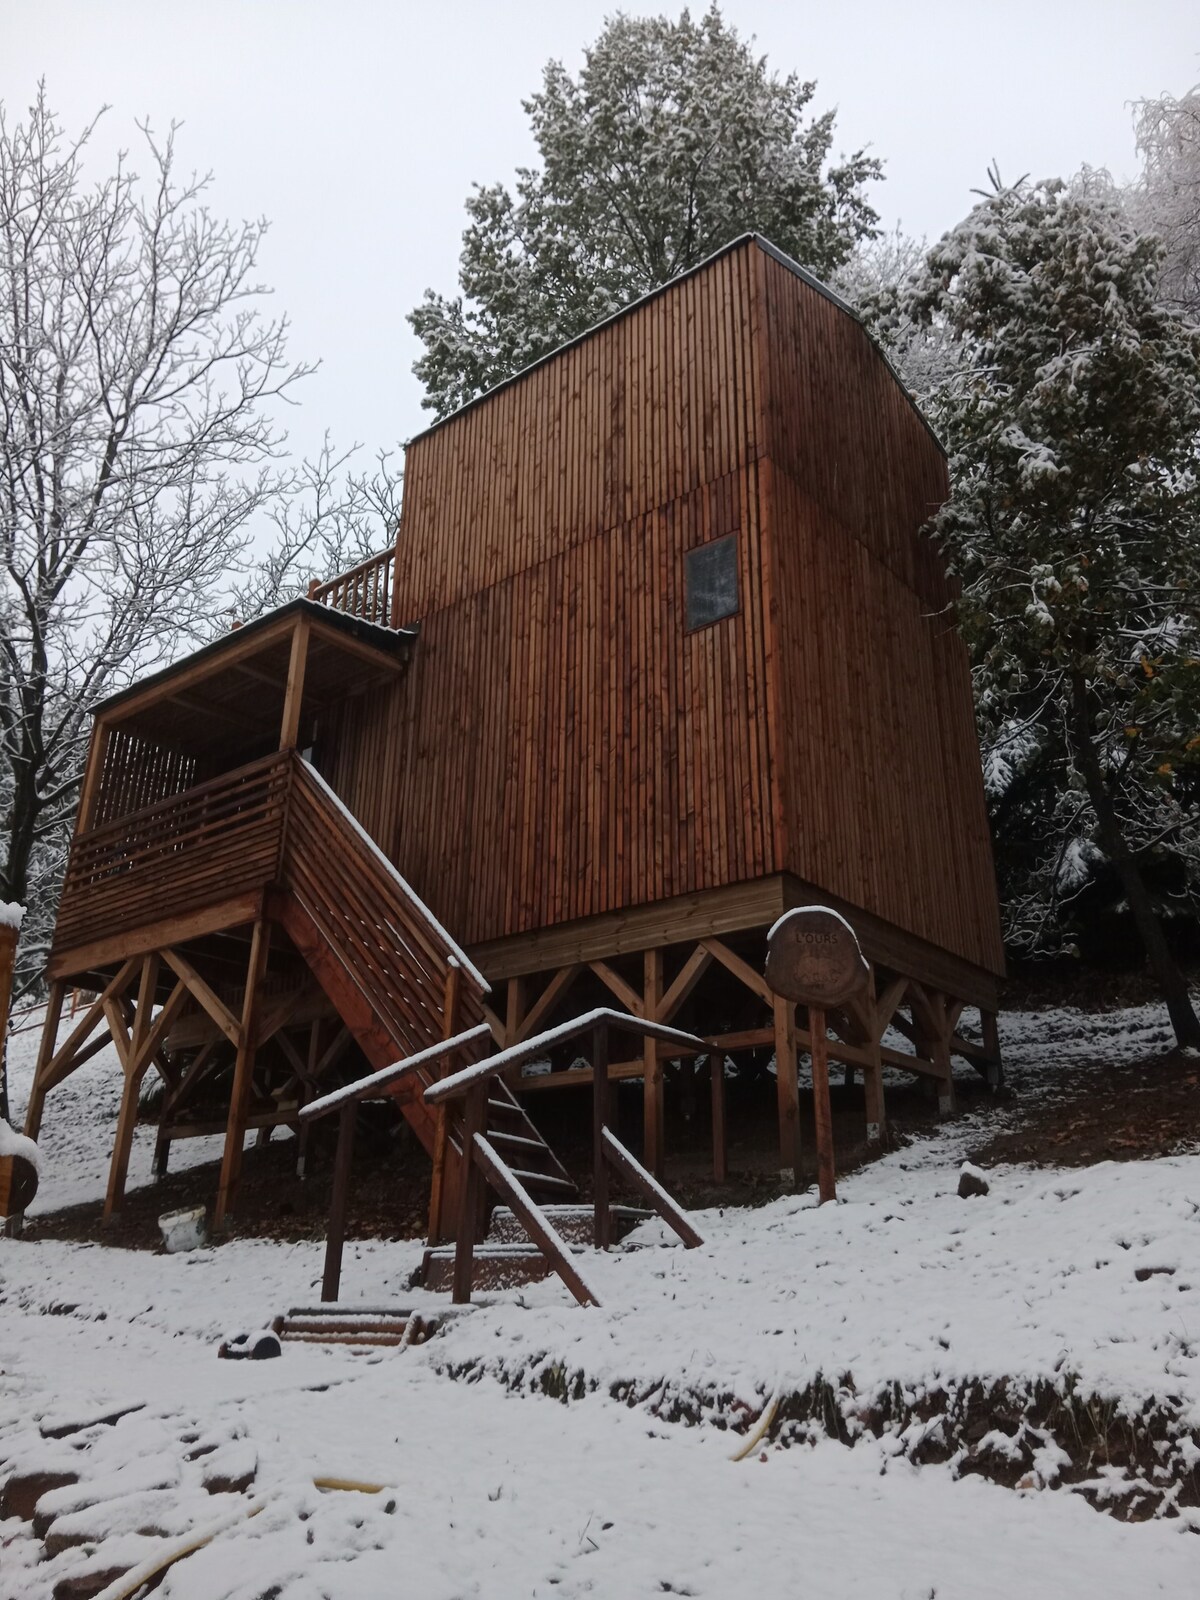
971,1181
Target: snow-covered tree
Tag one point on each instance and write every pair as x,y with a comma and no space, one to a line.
673,139
1072,418
1166,199
330,518
135,376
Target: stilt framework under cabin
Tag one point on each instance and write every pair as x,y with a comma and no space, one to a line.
660,652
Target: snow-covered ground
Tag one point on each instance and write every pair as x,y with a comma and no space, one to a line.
1091,1275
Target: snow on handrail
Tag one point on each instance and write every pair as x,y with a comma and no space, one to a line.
458,954
529,1049
362,1087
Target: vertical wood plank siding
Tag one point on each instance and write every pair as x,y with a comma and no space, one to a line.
562,746
878,761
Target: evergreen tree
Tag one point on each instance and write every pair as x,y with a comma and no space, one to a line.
1072,418
673,139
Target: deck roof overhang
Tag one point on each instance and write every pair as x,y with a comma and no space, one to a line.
232,691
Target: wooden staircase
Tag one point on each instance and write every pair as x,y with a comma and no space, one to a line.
397,979
508,1257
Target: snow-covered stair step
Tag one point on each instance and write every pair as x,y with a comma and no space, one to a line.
356,1325
494,1266
573,1222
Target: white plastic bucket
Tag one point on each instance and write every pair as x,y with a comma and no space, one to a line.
182,1230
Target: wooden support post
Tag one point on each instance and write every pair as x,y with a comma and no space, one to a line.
474,1117
873,1087
239,1098
46,1051
601,1211
716,1074
946,1099
514,1010
994,1069
135,1061
787,1090
822,1115
335,1237
311,1063
294,693
441,1136
652,1081
89,789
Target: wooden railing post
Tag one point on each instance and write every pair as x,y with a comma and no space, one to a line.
474,1117
601,1213
335,1237
437,1188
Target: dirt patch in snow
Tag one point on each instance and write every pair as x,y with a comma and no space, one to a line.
1125,1112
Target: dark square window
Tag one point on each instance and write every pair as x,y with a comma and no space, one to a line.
711,581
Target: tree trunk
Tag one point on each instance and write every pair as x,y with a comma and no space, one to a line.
1165,968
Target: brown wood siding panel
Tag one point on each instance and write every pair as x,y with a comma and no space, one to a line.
877,752
585,443
561,746
573,750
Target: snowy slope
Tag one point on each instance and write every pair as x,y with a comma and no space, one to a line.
1092,1273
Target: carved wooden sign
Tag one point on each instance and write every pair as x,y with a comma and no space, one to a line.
18,1184
813,957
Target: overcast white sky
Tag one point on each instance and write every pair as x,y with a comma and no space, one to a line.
358,127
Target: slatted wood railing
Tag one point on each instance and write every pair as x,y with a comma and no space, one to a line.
179,855
365,591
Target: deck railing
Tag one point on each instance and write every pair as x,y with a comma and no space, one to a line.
365,591
192,850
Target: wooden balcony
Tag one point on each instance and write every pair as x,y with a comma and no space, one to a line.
365,591
217,843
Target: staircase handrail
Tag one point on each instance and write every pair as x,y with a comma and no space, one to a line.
364,1088
459,1083
454,950
621,1157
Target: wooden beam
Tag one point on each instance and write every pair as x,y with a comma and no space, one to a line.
239,1099
89,792
822,1113
203,994
601,1210
46,1052
742,970
625,992
63,1062
545,1003
339,1201
716,1084
653,1139
681,919
293,695
787,1090
188,675
238,911
130,1050
692,971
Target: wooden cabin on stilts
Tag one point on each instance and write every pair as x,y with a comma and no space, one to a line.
660,652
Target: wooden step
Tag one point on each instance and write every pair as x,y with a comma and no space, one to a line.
573,1222
545,1181
494,1266
357,1325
